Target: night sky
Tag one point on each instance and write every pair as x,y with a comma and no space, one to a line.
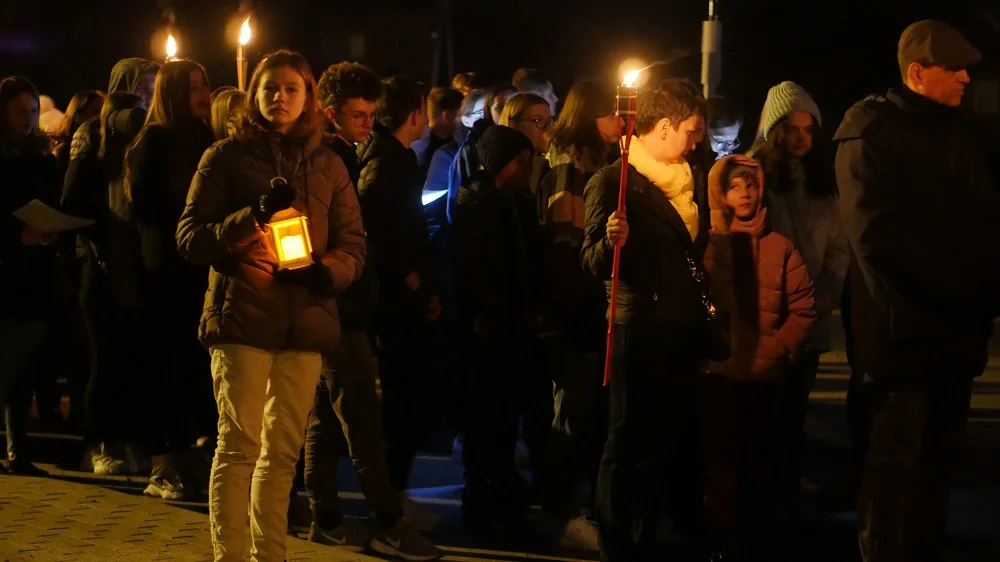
839,50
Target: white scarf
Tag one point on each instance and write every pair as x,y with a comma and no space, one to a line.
674,180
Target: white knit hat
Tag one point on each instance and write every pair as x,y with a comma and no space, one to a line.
783,99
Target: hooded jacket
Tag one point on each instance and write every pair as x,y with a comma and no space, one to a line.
759,280
245,304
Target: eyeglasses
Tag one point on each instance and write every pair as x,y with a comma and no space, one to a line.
542,123
360,119
724,145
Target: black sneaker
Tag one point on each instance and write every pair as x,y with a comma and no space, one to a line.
23,467
342,536
404,541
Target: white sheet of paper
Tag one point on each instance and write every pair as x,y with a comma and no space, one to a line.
47,219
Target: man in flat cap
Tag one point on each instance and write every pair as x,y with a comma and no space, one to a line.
919,210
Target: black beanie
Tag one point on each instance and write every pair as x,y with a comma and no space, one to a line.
499,146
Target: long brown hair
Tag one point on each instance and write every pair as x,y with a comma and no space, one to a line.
224,108
171,105
587,101
249,120
74,116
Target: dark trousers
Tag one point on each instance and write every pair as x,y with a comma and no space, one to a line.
108,403
916,428
408,407
20,346
579,426
793,390
502,383
346,419
737,442
653,390
177,373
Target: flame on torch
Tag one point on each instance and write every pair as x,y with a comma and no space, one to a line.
245,32
171,46
630,78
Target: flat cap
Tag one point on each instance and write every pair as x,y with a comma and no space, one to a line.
932,42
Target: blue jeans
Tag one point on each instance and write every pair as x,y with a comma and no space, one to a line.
20,341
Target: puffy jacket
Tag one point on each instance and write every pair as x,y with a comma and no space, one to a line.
919,210
390,189
244,303
759,281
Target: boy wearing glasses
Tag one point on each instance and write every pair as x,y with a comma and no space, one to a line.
348,92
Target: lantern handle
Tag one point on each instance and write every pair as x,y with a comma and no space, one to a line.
278,180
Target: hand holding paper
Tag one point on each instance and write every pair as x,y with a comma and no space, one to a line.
46,219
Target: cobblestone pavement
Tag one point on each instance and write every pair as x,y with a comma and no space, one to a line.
49,519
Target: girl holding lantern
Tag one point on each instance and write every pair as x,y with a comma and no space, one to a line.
267,322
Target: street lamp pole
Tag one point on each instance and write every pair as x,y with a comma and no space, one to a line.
711,50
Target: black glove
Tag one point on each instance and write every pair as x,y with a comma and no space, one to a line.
276,199
315,277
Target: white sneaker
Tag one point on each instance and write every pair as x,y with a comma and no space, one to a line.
166,483
422,520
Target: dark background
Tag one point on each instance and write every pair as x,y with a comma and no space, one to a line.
839,50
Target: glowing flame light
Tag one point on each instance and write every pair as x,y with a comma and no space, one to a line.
245,32
630,78
171,46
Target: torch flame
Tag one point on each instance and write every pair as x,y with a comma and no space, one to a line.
171,46
630,78
245,32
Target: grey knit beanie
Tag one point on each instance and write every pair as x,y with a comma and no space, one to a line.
783,99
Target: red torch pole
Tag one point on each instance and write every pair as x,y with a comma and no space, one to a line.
626,102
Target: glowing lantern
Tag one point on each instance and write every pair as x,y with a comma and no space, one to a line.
292,243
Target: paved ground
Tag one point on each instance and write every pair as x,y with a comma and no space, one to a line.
75,516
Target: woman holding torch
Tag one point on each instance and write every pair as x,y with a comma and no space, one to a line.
269,317
660,312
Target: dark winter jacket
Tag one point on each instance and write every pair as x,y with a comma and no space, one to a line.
28,274
919,211
161,164
577,297
498,264
245,304
655,286
357,303
465,166
389,189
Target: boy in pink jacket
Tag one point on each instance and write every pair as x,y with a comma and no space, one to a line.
760,282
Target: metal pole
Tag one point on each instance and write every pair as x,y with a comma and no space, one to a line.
711,50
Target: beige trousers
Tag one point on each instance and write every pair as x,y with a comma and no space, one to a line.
264,400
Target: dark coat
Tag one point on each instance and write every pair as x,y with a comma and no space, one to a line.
389,189
245,304
655,286
161,164
28,274
498,253
919,210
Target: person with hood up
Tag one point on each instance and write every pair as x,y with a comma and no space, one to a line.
802,202
499,285
267,328
96,166
159,166
761,285
28,262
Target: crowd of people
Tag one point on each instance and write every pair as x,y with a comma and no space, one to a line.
461,243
